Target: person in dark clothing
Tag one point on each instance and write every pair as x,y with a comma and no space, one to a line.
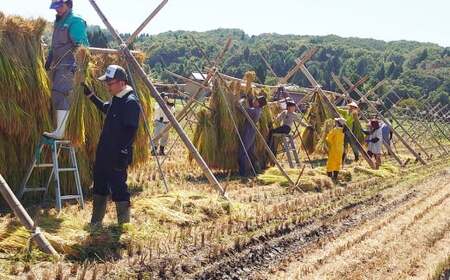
114,150
248,135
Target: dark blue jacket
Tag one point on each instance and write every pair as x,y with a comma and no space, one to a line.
114,149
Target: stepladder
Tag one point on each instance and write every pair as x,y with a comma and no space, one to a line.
55,166
288,148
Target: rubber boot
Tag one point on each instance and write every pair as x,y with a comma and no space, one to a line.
98,210
330,174
161,151
123,212
335,175
61,120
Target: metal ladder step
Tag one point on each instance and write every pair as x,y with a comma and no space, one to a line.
56,146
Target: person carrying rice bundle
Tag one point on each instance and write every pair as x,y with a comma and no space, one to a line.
335,142
70,32
248,134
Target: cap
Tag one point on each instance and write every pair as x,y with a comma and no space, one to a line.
353,104
114,72
56,4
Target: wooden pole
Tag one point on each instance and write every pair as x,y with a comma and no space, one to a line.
155,94
388,147
337,115
269,151
299,63
188,107
25,219
267,65
146,21
390,126
428,130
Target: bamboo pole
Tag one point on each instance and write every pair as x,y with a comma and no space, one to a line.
146,21
188,107
390,126
345,92
299,63
427,129
155,94
337,115
25,219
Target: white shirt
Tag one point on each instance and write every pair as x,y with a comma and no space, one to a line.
160,114
376,147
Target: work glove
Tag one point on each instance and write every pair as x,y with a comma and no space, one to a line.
48,61
122,162
375,140
86,89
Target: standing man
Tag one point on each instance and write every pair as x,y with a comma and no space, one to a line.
161,121
387,133
248,135
114,150
351,115
69,32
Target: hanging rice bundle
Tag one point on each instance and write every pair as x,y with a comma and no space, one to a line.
25,102
322,146
215,136
24,94
316,116
249,78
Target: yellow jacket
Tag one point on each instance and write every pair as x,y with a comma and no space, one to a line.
335,141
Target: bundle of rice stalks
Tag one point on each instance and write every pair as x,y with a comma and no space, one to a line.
215,136
24,94
322,146
249,78
25,103
310,181
316,116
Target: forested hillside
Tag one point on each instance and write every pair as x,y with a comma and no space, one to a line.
411,67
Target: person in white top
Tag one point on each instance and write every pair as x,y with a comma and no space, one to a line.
160,122
375,141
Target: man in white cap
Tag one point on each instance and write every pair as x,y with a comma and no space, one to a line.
114,150
69,32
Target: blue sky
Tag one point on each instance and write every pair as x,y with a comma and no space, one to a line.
418,20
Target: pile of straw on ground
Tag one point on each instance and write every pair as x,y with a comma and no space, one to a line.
25,102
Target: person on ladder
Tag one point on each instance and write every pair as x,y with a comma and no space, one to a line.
287,118
161,121
69,32
114,150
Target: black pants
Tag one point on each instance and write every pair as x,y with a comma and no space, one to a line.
109,181
284,129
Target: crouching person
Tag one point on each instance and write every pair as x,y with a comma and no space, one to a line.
335,142
114,150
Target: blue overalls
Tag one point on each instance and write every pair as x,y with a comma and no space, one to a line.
114,150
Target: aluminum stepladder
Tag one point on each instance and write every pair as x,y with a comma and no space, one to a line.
289,149
56,147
